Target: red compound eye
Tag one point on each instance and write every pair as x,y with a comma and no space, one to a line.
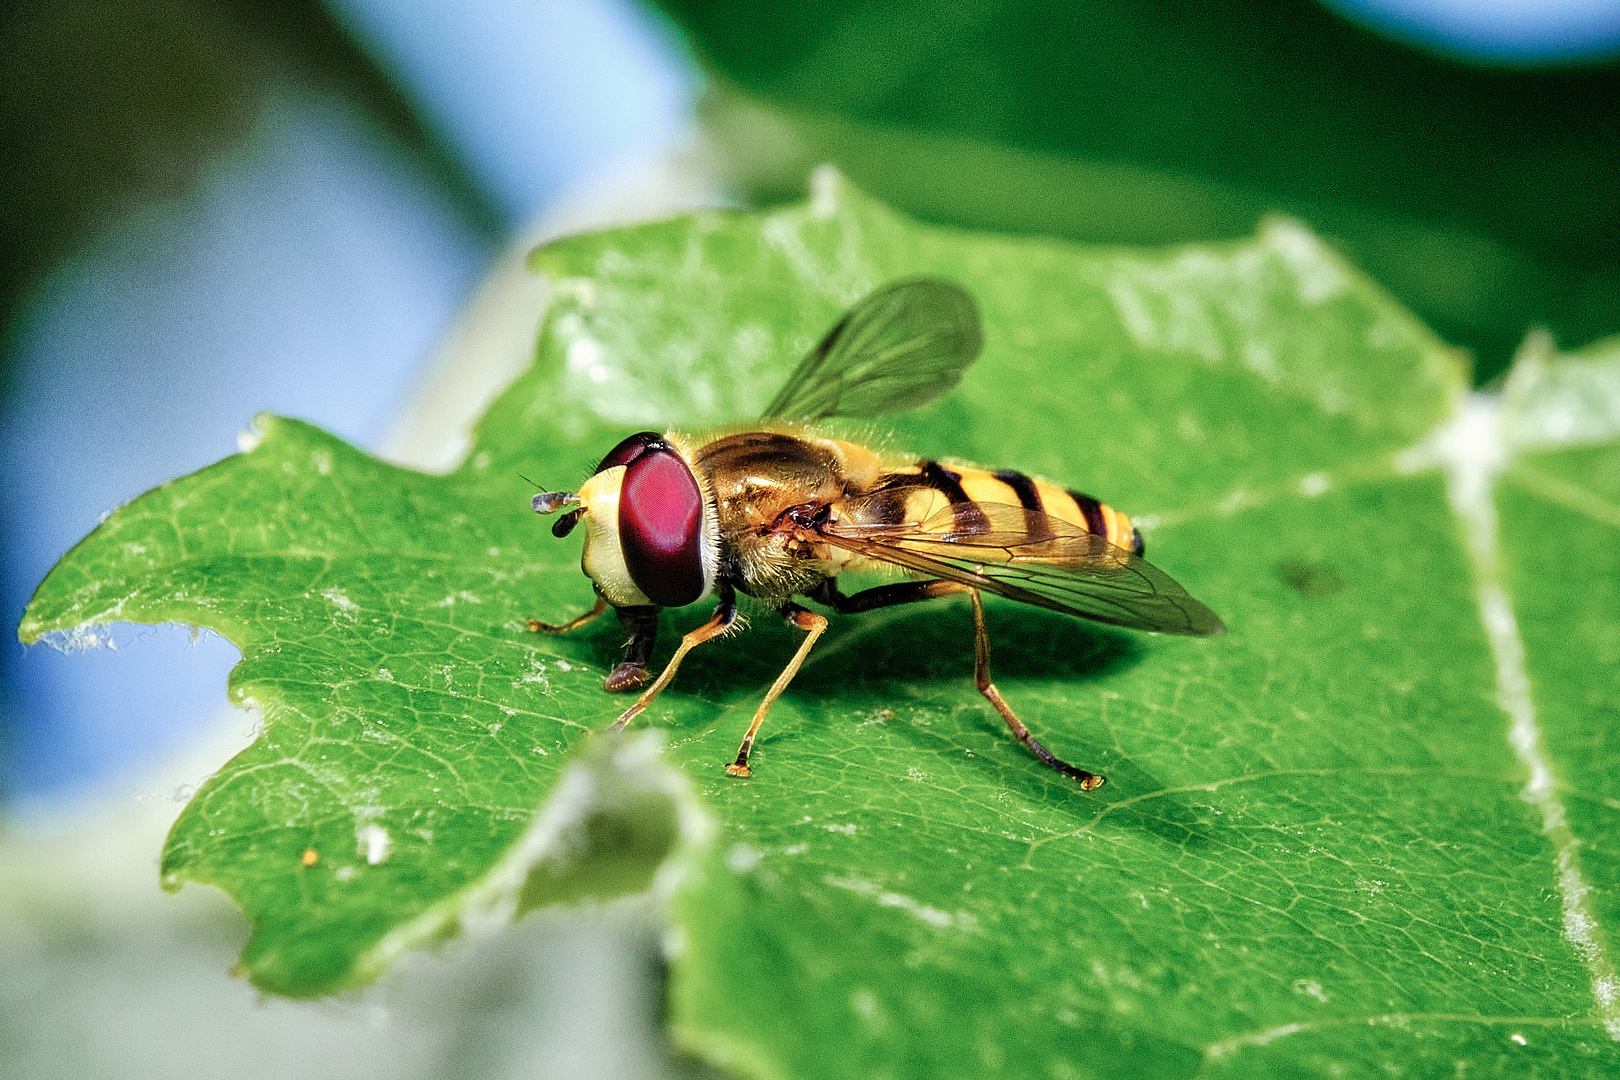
632,448
661,523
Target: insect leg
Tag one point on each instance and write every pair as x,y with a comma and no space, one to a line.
881,596
641,623
804,620
981,677
538,627
725,614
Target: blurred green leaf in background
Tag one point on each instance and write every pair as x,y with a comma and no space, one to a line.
1484,198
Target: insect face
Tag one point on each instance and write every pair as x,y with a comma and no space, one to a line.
646,540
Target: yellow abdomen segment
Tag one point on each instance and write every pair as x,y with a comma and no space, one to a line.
940,485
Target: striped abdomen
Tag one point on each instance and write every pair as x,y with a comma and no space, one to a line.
932,487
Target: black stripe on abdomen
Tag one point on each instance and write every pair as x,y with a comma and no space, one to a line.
942,480
949,484
886,506
1091,509
1028,497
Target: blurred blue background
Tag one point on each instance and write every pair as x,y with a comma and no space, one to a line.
1497,31
217,209
306,265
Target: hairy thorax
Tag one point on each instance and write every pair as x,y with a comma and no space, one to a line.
758,477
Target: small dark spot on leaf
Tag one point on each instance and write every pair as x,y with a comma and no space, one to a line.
1310,578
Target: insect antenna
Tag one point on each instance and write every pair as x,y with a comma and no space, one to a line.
549,502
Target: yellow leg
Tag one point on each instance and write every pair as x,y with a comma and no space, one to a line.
804,620
724,616
981,677
538,627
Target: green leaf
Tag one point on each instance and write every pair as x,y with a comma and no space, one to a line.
1325,848
1560,547
1477,194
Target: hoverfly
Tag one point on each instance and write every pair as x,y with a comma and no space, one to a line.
778,510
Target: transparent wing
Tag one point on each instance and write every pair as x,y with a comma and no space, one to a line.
902,346
1030,557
